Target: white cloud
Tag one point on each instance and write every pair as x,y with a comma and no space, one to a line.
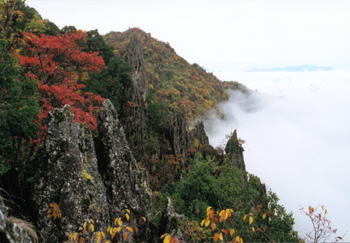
297,138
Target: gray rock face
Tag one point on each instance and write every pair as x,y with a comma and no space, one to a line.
234,152
198,132
85,183
70,180
177,133
126,188
135,119
13,230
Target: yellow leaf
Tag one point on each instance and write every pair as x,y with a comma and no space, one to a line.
130,229
73,236
229,212
127,217
253,229
245,217
91,228
164,235
128,211
85,225
222,212
109,228
238,239
251,219
86,175
223,216
111,231
144,219
203,222
99,237
118,221
209,208
232,231
218,236
167,239
114,231
207,222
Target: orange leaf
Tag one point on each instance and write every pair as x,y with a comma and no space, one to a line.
174,240
218,236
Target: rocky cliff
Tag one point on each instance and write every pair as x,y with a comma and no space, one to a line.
234,151
85,176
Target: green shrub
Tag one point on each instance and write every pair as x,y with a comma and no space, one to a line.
224,186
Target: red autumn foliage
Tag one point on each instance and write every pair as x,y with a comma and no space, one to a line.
57,62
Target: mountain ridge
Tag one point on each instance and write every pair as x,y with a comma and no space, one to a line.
170,78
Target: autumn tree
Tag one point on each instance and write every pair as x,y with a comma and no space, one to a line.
61,67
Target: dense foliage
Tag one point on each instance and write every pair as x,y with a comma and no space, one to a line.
112,81
223,186
19,110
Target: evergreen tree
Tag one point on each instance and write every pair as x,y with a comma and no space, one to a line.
19,110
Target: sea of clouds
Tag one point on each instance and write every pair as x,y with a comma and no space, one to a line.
297,132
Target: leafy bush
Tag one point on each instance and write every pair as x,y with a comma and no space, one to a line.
224,186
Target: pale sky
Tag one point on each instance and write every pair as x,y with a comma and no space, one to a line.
232,35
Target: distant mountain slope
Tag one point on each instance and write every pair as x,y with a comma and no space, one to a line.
170,78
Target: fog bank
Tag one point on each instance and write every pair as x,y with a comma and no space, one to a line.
297,130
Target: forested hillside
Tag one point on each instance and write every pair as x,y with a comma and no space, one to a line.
170,78
101,140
